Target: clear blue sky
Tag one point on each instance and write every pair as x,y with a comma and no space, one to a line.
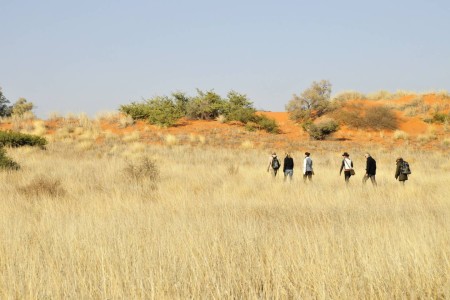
90,56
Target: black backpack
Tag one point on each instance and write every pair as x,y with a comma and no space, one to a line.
275,163
405,168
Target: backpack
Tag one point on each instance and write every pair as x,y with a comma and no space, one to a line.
275,163
404,169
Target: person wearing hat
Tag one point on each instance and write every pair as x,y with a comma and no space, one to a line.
307,167
371,169
288,166
347,166
274,164
401,176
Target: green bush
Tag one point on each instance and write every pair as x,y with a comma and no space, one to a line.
267,124
138,111
6,162
238,108
17,139
205,106
320,130
163,112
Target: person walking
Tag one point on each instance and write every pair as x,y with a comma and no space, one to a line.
402,170
274,164
347,166
307,167
288,167
371,169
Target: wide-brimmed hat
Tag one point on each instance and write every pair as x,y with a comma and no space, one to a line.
307,153
345,154
399,158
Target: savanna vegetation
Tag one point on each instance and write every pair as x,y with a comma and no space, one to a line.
167,110
113,207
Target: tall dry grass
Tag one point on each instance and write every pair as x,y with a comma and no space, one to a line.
207,232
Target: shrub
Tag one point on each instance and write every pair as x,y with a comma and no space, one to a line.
349,95
322,129
440,118
6,162
376,117
163,112
205,106
16,139
238,108
145,168
138,111
43,186
380,117
400,135
267,124
21,107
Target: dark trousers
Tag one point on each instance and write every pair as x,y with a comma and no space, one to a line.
347,176
308,174
372,178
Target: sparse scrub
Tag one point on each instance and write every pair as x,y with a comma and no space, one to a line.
349,95
144,169
400,135
43,186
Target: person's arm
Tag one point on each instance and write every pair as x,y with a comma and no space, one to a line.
352,164
284,164
304,166
292,163
367,166
342,167
397,171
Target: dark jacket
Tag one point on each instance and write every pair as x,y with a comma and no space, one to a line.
288,163
398,172
371,166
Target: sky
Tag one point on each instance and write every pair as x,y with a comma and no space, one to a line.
93,56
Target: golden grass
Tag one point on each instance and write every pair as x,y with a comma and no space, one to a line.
218,226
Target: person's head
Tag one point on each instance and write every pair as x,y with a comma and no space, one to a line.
346,155
287,154
274,154
307,154
399,159
367,155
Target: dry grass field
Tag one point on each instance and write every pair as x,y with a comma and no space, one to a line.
78,221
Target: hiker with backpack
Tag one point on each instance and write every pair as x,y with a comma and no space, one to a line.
371,169
274,164
402,170
307,167
288,167
347,166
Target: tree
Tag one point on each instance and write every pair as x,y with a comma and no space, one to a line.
205,106
21,107
163,111
312,102
237,107
5,109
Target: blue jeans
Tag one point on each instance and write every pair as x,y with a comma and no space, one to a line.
288,173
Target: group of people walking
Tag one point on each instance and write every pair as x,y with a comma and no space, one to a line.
401,172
